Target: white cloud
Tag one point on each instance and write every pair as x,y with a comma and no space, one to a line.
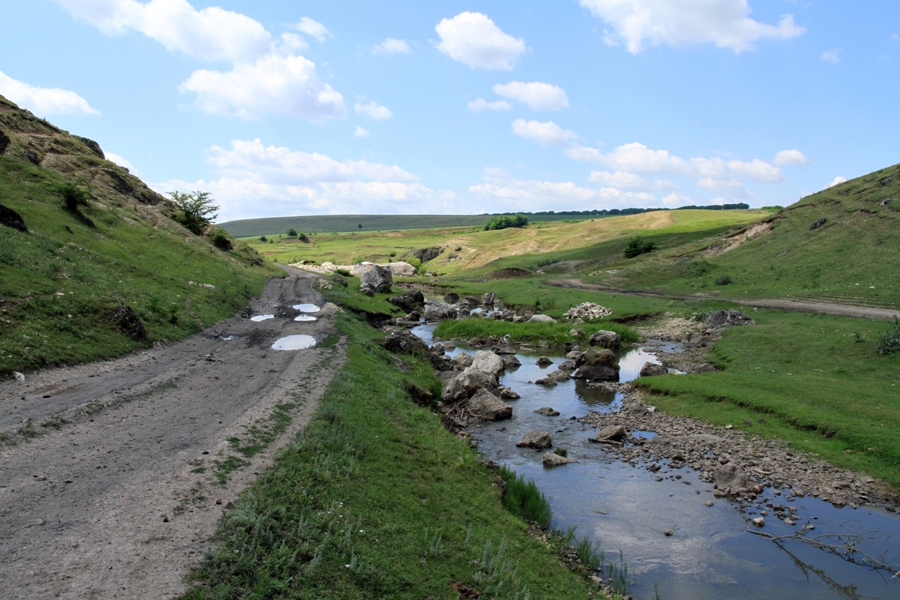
536,95
360,131
833,56
725,23
544,133
533,195
629,181
391,46
257,180
44,101
122,162
209,34
491,173
790,157
674,200
731,187
482,104
474,40
274,84
836,181
289,43
313,29
373,109
895,37
638,158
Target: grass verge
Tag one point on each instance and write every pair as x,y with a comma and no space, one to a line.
815,380
375,500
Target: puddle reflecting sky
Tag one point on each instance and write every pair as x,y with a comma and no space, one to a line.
259,318
307,308
304,318
294,342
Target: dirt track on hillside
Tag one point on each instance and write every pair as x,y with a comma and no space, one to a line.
110,490
808,306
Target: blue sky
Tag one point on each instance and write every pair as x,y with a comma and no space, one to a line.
290,108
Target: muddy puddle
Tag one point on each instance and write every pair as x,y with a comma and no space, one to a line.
304,319
306,308
294,342
260,318
623,506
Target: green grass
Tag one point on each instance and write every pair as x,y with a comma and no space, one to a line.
556,334
375,500
853,258
524,499
60,281
811,382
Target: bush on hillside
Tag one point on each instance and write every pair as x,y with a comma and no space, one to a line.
724,280
221,240
637,246
890,341
73,199
291,232
505,221
196,210
302,237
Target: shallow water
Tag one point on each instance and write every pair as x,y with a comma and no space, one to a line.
260,318
304,319
624,507
294,342
307,308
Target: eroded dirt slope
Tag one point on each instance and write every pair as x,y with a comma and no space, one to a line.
115,486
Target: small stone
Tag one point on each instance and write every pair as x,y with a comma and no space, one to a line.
709,503
788,522
759,522
547,411
544,362
536,439
165,519
668,533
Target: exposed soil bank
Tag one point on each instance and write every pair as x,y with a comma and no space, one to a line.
119,492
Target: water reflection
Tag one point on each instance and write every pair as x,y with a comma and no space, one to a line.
294,342
259,318
307,308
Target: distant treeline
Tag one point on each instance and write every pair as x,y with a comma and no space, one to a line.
622,212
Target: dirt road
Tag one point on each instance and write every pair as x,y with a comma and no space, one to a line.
115,485
810,306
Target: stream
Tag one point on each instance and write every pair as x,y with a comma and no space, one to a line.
625,507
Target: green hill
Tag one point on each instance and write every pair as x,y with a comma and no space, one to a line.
839,244
93,263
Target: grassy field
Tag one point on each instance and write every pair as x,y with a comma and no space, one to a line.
472,252
375,500
63,279
851,257
816,380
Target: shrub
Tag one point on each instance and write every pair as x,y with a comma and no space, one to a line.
302,237
415,262
197,210
637,246
221,240
505,221
291,232
263,239
358,259
890,341
724,280
74,197
343,272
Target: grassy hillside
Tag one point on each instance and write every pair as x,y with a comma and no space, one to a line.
474,252
851,257
71,285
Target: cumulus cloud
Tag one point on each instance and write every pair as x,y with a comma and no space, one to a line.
730,187
474,40
258,180
544,133
725,23
629,181
535,195
836,181
536,95
482,104
675,199
274,84
360,131
638,158
391,46
833,56
44,101
209,34
793,158
373,109
313,29
122,162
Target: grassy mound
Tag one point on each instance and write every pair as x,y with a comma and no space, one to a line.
101,268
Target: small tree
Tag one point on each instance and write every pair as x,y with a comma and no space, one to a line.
637,246
197,210
263,238
292,232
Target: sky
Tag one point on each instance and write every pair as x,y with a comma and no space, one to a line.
284,108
